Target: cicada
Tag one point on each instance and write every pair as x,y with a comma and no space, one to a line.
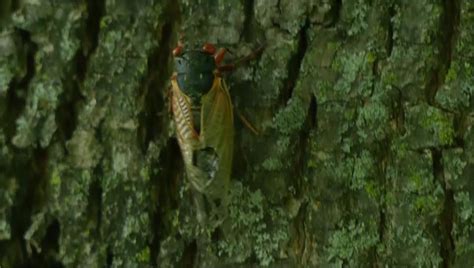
204,119
203,115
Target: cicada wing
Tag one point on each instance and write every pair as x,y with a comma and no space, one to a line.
217,137
208,155
186,134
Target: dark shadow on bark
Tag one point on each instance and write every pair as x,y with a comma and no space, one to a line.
189,256
154,120
95,12
67,111
448,33
294,65
335,12
109,258
249,22
447,246
49,249
18,88
313,113
154,116
94,201
31,175
166,185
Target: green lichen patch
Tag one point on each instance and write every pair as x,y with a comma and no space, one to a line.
428,127
253,228
351,243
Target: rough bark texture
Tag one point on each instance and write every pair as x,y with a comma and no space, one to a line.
365,156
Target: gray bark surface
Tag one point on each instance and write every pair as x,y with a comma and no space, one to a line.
365,152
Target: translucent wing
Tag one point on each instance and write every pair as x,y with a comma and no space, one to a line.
217,136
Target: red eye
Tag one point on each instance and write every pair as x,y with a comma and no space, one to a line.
177,51
209,48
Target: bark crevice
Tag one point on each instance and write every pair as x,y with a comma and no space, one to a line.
28,166
449,24
166,198
313,112
49,247
153,90
336,13
18,88
95,12
67,111
28,201
447,246
294,64
303,141
248,24
384,153
94,201
154,120
90,37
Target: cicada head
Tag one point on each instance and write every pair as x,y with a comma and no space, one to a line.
195,69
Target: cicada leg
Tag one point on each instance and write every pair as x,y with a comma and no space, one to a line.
219,56
247,123
232,66
200,205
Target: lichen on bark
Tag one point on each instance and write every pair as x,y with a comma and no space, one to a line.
364,155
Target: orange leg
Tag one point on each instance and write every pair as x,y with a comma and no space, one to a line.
219,56
177,50
226,68
251,56
209,48
232,66
247,124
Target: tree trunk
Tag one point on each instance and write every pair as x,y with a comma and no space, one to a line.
364,157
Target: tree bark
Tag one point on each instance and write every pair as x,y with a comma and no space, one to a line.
365,152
